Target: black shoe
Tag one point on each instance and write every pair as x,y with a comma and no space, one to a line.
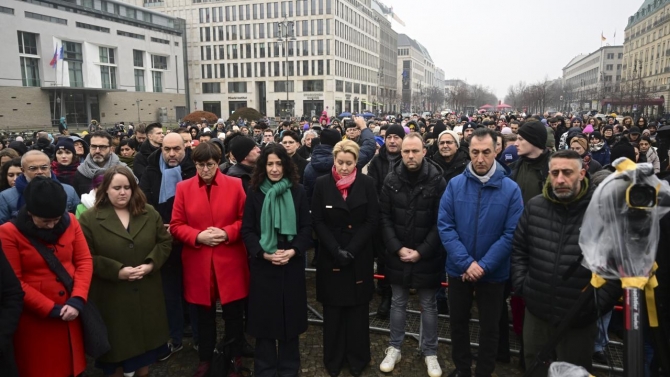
248,350
503,358
458,373
600,358
384,308
333,373
442,307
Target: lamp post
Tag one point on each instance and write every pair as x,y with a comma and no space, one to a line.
285,36
195,105
137,102
380,75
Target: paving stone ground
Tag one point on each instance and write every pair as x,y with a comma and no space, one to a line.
184,363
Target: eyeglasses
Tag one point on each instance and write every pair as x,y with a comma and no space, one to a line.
33,169
202,166
100,147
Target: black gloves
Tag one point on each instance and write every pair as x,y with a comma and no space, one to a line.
343,257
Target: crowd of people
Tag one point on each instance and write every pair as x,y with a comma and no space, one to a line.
157,227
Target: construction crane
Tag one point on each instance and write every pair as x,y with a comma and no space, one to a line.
389,11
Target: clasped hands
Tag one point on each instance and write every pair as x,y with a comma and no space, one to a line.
473,273
212,236
408,255
280,257
136,273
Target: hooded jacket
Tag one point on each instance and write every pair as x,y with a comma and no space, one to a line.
141,157
408,219
320,164
476,222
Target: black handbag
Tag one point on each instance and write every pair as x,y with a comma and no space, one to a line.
96,341
223,362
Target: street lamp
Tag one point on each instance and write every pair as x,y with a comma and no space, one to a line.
195,105
137,102
285,36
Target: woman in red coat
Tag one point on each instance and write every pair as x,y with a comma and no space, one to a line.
49,340
206,218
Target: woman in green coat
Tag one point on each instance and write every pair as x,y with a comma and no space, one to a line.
129,244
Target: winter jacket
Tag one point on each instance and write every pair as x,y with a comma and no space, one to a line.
380,166
652,158
10,197
300,164
368,148
453,168
305,152
408,219
476,223
242,172
530,174
141,158
11,305
545,247
602,155
321,164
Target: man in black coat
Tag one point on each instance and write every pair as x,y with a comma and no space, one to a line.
152,144
414,255
166,167
11,304
245,151
546,269
291,142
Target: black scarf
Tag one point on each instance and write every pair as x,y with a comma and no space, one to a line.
24,223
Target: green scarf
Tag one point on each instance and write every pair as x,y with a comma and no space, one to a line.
277,215
128,161
549,194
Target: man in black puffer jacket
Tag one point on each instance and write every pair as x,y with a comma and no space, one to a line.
414,254
546,268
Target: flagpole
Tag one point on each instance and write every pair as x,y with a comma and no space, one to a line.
62,83
56,81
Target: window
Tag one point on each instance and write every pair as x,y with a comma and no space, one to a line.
280,86
159,62
347,86
107,55
138,58
158,40
92,27
30,72
6,10
139,80
130,35
27,43
260,71
211,87
339,86
312,86
609,67
610,56
73,55
237,87
158,81
620,55
108,76
42,17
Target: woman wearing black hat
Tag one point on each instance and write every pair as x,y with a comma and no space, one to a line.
65,165
277,232
49,339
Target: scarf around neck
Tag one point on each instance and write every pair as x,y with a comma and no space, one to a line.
24,223
277,214
65,173
20,184
343,183
88,168
486,177
171,176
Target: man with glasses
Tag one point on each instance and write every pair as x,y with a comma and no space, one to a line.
449,156
33,164
291,142
152,144
100,157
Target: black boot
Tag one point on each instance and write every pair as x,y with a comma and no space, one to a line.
384,308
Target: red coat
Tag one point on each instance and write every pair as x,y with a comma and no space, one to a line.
42,345
194,211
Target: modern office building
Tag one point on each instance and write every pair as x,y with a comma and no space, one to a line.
283,58
411,63
387,96
89,59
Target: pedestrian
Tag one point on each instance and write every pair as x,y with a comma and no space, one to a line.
476,221
451,158
650,153
49,330
580,145
245,151
345,211
600,151
413,254
206,218
65,165
129,244
277,232
154,139
291,141
80,148
305,150
546,267
7,154
101,157
11,304
126,151
9,172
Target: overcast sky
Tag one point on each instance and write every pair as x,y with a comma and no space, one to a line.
498,43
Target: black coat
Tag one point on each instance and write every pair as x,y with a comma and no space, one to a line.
277,294
380,166
545,247
142,157
242,172
151,182
300,164
346,225
11,304
409,219
453,168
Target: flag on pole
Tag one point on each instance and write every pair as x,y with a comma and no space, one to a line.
602,36
60,53
54,60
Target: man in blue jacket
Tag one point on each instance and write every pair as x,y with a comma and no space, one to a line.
478,214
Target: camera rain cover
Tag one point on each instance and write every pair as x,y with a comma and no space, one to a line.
621,227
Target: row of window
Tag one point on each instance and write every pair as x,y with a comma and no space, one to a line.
354,36
258,31
268,10
258,69
261,50
279,86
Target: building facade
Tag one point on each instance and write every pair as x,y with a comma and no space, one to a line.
412,78
387,96
590,80
283,58
89,59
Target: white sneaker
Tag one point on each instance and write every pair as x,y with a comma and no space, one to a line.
131,374
433,366
392,357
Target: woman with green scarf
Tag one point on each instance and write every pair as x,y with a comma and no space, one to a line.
126,151
277,233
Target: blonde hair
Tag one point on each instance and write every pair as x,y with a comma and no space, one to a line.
346,146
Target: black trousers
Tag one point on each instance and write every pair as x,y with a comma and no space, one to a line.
232,314
277,357
503,340
488,297
346,337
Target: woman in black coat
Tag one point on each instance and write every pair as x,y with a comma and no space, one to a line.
11,304
277,291
345,212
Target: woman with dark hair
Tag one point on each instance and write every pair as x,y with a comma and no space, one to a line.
9,172
65,165
641,123
80,148
206,218
126,151
277,233
49,339
129,244
194,130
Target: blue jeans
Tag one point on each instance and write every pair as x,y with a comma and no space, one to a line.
602,338
428,318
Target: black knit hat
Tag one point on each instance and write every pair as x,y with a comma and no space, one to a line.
395,129
45,198
330,137
535,133
65,143
240,147
19,147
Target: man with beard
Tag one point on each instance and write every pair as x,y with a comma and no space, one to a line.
149,146
100,157
449,156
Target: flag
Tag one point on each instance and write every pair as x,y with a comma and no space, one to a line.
602,37
54,60
60,53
